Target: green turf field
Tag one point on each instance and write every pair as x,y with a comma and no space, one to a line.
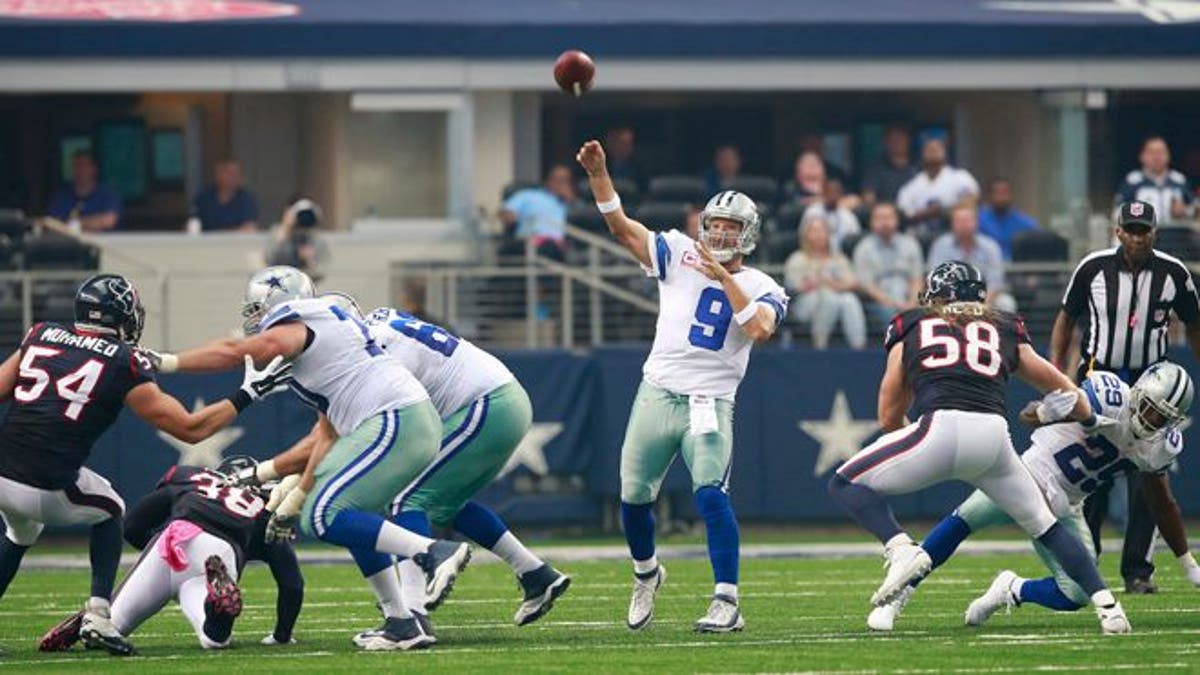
802,615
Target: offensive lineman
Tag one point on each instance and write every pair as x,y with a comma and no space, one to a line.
685,402
68,383
200,529
952,357
1068,464
376,430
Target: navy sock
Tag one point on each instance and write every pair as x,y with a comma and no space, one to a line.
10,560
722,528
638,522
416,522
480,524
354,529
1074,558
944,539
104,548
370,562
866,507
1045,592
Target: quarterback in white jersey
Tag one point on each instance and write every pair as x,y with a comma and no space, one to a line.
1139,433
376,431
712,308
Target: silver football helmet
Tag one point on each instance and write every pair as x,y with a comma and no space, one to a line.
270,287
730,205
344,302
1160,399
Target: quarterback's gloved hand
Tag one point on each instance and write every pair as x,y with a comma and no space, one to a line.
1190,568
273,377
1056,405
270,641
162,362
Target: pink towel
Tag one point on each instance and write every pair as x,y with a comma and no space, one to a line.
170,543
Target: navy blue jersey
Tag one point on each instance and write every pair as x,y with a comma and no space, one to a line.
237,515
957,362
70,389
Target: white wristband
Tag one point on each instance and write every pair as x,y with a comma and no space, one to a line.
266,471
610,205
748,313
169,363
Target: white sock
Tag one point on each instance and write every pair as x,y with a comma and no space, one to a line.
727,589
512,551
400,542
386,586
412,585
1103,598
901,539
98,605
1015,588
645,566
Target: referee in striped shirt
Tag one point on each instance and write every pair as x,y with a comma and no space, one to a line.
1125,297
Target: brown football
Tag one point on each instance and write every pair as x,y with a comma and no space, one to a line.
574,72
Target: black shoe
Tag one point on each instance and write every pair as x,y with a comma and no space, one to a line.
424,623
395,634
442,564
542,587
1140,586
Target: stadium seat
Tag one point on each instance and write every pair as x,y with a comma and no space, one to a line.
626,188
1179,241
687,189
1038,246
663,215
585,216
762,189
787,217
57,252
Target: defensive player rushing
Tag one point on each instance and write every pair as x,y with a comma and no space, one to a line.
685,402
198,533
68,383
954,355
376,430
1068,463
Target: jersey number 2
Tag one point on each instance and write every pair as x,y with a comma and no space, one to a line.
979,346
712,320
75,386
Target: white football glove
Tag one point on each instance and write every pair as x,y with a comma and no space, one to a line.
1190,568
1055,406
273,377
254,476
287,499
270,641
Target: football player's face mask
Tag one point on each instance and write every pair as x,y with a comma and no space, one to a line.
729,225
1159,399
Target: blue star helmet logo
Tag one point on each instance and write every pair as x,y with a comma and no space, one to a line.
276,283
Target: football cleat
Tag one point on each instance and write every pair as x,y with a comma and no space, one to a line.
1141,586
224,596
723,616
63,636
425,624
442,562
1000,594
884,618
641,605
1113,620
395,634
542,587
98,632
905,564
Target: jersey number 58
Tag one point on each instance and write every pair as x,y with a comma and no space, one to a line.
979,346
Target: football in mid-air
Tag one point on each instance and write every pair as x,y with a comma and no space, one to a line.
574,72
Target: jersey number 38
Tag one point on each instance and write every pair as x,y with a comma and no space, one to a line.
978,346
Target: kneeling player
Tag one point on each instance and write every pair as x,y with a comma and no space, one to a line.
197,533
1068,463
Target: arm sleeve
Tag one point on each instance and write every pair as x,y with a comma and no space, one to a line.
281,559
1187,303
896,329
280,314
1075,300
147,516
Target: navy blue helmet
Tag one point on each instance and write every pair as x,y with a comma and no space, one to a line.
109,303
954,281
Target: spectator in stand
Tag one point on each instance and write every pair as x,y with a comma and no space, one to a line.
296,240
1000,220
885,178
85,200
539,215
1157,184
823,284
927,198
841,221
815,143
727,164
226,205
620,143
889,265
808,180
964,242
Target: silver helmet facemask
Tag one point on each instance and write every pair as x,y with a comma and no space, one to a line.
1159,400
270,287
735,206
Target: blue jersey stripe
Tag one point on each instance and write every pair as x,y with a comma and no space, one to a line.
1093,399
663,255
773,302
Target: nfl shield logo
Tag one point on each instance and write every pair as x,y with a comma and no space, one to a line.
1160,315
1136,209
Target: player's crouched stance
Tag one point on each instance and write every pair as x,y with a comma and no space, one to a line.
197,532
954,355
68,383
1068,463
685,402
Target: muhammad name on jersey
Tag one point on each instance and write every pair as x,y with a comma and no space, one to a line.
95,343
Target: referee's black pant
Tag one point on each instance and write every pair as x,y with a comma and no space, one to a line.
1139,529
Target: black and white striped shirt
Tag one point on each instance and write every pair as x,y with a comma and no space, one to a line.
1128,313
